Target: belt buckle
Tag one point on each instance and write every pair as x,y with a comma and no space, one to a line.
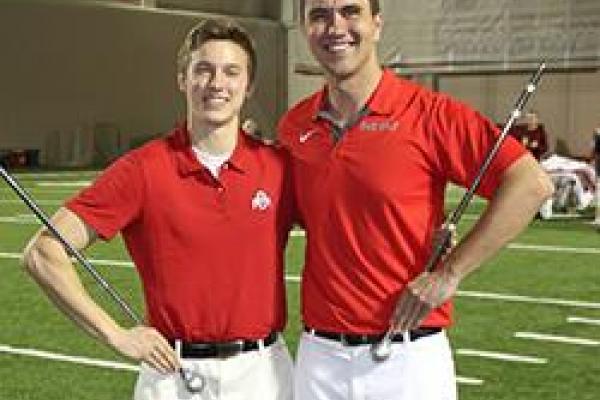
229,349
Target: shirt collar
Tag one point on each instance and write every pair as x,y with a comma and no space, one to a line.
381,101
187,162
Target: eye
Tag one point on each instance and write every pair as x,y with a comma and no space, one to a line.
318,15
202,68
233,70
351,11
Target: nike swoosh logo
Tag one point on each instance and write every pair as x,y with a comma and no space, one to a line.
305,136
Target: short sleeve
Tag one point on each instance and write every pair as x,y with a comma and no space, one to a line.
114,200
463,138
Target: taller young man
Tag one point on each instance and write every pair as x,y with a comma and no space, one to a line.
372,155
187,206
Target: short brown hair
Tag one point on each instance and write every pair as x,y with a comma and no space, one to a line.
217,29
375,9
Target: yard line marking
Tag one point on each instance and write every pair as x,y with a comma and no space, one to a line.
40,202
515,246
558,339
64,184
559,249
55,174
18,220
528,299
469,381
41,190
501,356
128,367
109,263
460,293
580,320
72,359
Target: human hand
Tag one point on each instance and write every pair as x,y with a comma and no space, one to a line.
147,345
426,292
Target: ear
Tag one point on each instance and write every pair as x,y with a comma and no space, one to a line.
250,90
181,82
378,26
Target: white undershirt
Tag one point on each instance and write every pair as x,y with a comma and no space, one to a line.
213,162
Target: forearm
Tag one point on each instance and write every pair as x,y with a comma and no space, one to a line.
48,264
523,189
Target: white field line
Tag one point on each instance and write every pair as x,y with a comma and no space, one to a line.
39,202
127,367
556,249
501,356
557,339
580,320
460,293
18,221
298,233
469,381
109,263
65,358
41,190
64,184
519,246
28,175
528,299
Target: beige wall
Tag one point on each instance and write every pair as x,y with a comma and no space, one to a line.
66,67
568,104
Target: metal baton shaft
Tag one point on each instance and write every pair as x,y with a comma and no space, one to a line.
71,250
381,350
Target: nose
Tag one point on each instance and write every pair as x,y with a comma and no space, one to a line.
217,79
336,22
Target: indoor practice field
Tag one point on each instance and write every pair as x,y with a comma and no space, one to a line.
527,325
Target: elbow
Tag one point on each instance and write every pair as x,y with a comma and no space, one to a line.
32,259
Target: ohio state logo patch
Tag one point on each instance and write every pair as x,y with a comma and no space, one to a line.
261,200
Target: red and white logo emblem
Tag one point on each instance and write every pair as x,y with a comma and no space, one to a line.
261,200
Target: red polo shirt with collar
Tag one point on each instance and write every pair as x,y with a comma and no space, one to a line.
209,251
372,201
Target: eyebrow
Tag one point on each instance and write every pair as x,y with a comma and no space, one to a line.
319,9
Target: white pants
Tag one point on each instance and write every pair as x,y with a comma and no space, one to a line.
264,374
419,370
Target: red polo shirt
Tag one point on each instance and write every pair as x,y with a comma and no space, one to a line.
372,200
209,251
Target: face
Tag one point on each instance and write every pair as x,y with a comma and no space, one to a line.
216,82
532,120
342,34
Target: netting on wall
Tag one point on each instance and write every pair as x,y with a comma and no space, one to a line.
513,30
86,145
477,34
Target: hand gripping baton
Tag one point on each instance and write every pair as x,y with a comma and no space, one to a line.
381,350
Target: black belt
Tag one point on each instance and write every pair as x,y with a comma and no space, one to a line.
223,349
358,340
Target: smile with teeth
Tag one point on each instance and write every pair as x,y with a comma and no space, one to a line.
215,100
338,47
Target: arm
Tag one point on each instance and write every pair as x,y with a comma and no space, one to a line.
49,265
523,183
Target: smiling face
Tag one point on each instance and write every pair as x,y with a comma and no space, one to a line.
342,34
216,82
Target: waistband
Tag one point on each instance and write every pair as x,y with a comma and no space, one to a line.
358,340
223,349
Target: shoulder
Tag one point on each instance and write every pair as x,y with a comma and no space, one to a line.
297,117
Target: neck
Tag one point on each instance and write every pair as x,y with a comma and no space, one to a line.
214,139
349,94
